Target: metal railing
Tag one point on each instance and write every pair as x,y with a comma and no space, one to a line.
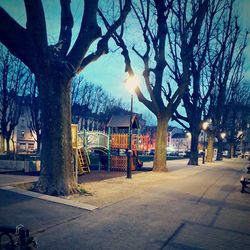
93,139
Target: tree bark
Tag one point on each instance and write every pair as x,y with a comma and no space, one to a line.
194,155
160,164
7,145
219,156
210,147
231,152
57,176
1,143
38,143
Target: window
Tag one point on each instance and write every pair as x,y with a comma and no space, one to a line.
22,146
30,146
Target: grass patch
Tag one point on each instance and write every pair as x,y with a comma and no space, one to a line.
26,186
83,191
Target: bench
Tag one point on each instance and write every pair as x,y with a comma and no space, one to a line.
244,182
12,237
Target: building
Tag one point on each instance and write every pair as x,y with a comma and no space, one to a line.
180,142
22,139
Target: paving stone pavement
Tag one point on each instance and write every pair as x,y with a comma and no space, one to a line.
186,208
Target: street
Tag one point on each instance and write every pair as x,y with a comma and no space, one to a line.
189,208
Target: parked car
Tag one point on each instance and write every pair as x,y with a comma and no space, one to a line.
181,153
152,152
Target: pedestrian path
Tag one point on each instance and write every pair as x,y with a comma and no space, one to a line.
187,208
9,180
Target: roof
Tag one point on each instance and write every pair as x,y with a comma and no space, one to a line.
122,121
179,136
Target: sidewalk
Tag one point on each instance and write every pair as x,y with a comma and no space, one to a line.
190,207
11,179
109,191
106,188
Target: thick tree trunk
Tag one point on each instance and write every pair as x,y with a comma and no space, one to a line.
194,155
160,164
38,147
57,176
231,152
1,144
7,145
220,150
210,147
38,143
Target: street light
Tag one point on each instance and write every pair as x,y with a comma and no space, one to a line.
205,125
189,136
223,135
240,134
131,84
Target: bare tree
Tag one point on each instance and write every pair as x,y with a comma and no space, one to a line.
236,116
210,49
33,112
91,103
162,96
54,67
14,76
228,76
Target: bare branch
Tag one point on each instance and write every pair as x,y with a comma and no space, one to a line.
17,39
102,46
37,27
66,27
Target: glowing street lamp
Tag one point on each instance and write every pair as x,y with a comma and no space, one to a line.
131,84
240,134
188,136
223,135
205,125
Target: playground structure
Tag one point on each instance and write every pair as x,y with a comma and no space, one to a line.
113,145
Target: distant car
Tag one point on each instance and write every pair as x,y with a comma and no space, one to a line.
172,153
181,153
225,153
152,152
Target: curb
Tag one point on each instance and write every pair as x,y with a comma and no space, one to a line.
15,183
50,198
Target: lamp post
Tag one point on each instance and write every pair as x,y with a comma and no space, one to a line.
240,139
189,136
131,85
220,145
204,126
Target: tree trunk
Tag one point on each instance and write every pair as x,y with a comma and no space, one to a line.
7,144
57,174
160,164
38,143
1,144
194,156
210,147
231,152
220,149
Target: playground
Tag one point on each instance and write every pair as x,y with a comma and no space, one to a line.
110,149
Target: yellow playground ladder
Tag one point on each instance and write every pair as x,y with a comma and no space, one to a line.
83,161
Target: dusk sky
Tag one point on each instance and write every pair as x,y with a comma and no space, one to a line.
108,71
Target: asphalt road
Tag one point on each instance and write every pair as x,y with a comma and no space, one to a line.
201,210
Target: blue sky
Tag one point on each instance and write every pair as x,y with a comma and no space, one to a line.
108,71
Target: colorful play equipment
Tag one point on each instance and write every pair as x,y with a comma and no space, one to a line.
113,145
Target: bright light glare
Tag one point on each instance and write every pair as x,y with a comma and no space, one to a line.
223,135
132,83
205,125
239,133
